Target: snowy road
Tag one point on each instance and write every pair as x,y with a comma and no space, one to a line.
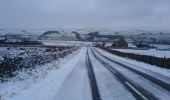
109,87
92,74
76,85
140,84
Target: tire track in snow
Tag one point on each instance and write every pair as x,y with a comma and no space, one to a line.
93,83
161,83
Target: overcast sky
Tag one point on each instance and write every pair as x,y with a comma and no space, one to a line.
84,13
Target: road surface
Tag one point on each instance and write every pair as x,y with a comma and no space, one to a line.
93,75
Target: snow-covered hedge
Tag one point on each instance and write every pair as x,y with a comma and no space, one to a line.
28,57
161,62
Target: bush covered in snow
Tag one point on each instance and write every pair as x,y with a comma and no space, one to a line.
20,42
18,58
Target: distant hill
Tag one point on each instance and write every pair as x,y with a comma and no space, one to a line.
152,38
93,35
56,35
146,36
48,33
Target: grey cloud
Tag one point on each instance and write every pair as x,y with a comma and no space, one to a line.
84,13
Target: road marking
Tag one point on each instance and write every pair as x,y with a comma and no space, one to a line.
110,68
145,98
106,64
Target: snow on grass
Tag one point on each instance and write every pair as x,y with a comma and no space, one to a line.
161,46
40,83
130,45
65,43
150,52
59,43
17,58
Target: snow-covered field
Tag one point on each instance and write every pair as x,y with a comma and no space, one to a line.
61,43
12,52
65,43
41,83
150,52
161,46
